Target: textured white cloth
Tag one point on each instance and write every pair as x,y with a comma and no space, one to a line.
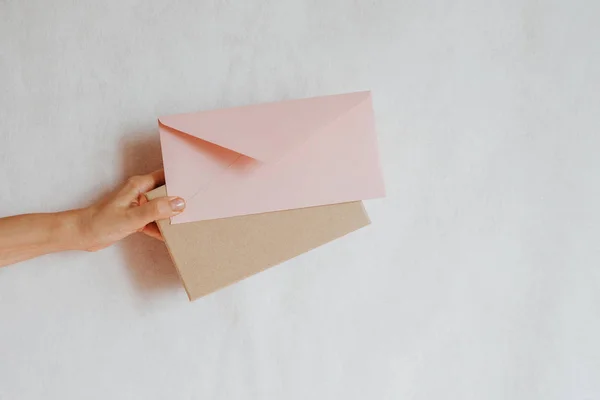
478,278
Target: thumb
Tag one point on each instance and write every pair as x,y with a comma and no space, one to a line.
160,208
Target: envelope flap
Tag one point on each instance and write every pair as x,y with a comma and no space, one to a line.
265,131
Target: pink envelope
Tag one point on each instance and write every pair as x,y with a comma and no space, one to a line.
272,157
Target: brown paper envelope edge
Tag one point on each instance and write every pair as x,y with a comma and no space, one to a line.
210,255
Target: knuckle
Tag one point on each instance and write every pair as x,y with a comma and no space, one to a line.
151,211
135,182
156,208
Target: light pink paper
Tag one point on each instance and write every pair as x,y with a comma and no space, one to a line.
272,157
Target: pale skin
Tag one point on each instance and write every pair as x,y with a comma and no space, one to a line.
119,215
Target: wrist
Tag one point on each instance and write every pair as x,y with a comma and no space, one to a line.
69,231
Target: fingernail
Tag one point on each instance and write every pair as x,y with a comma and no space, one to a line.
177,204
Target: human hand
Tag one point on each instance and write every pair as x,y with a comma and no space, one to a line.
127,211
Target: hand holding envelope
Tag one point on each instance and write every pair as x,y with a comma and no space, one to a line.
265,183
272,157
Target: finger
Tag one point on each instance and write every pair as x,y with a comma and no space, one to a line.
139,184
161,208
142,199
152,230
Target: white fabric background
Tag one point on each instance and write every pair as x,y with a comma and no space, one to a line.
478,278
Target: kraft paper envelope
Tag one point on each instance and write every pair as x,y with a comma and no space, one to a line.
212,254
272,157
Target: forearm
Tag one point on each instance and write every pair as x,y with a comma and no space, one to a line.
27,236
